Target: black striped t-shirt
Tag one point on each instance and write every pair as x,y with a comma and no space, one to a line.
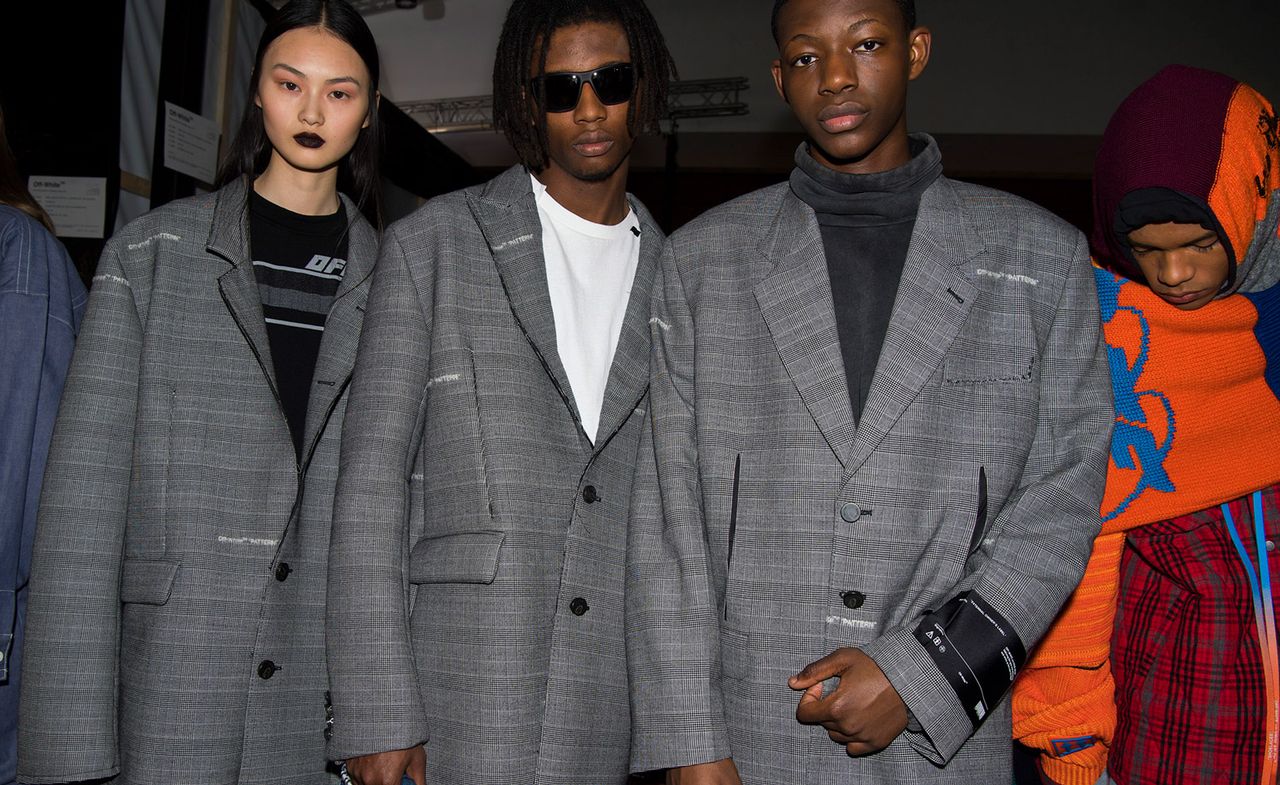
298,261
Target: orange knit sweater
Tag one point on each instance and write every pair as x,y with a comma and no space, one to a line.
1196,425
1191,399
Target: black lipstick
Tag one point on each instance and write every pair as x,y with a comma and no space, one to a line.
309,140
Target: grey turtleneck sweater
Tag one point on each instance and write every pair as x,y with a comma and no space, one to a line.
866,222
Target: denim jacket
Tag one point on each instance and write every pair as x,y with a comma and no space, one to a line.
41,303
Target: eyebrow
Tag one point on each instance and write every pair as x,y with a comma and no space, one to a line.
861,23
334,80
853,28
1209,234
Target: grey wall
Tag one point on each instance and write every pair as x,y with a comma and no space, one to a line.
999,66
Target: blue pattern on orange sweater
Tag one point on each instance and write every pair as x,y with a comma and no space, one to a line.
1133,435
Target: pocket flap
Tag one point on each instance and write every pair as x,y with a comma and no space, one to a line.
465,557
147,581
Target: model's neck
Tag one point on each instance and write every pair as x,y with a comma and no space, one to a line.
599,201
305,193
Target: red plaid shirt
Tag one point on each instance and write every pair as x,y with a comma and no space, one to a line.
1190,689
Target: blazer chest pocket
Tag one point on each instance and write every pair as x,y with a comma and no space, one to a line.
147,581
1011,365
995,347
464,557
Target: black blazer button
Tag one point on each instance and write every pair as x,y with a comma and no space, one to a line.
267,669
282,571
578,606
589,494
853,599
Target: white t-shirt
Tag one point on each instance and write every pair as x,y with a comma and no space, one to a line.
590,268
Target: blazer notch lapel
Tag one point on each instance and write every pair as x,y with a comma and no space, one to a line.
508,218
629,372
934,298
795,301
229,239
341,338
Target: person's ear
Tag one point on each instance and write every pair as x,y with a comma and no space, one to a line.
377,102
920,41
777,80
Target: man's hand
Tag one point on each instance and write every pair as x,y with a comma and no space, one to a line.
388,768
722,772
864,713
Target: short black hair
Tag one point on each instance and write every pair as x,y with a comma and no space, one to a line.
525,39
907,7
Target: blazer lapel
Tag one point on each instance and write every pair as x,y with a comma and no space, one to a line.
229,239
508,217
629,373
934,298
795,300
341,330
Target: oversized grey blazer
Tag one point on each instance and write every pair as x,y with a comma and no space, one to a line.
179,545
476,577
761,502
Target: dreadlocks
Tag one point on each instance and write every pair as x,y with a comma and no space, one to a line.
523,45
907,7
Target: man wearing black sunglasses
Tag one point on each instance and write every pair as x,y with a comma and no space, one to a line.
475,627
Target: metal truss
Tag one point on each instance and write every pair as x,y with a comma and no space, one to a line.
686,99
706,98
469,113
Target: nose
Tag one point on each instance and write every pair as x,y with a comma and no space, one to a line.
1175,269
839,74
589,108
312,112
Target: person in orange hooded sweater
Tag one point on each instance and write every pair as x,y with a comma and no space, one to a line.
1162,668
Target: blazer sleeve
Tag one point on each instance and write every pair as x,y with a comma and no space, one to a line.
373,681
67,726
672,629
1041,537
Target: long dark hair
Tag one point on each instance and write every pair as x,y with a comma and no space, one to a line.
251,149
13,191
525,39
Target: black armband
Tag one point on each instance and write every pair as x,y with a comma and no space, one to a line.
976,650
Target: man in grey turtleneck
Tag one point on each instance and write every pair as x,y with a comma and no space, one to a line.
880,420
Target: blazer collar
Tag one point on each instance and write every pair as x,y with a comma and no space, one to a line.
229,239
629,374
795,300
934,296
507,214
341,338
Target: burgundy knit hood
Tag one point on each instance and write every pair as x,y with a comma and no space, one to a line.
1191,146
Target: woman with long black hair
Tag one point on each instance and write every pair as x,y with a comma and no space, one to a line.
176,623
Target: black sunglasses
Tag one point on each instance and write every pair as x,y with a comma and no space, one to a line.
560,92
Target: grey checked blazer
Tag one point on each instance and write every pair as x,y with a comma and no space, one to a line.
476,578
179,545
761,501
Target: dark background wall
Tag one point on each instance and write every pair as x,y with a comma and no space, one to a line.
61,96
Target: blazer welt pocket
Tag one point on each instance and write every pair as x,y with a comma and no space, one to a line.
1012,368
464,557
147,581
980,524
